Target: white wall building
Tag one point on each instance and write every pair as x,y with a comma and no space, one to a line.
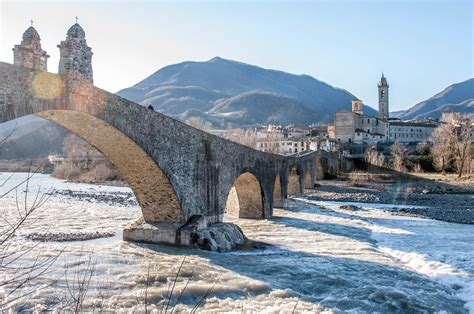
411,131
284,146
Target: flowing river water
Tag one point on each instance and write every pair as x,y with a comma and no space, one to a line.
316,258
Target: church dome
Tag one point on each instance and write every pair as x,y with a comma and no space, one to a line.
31,37
76,31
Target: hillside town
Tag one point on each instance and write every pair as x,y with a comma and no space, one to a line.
351,133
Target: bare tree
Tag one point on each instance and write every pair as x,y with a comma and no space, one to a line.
440,150
399,154
452,143
17,276
373,157
241,136
84,163
78,285
199,123
461,141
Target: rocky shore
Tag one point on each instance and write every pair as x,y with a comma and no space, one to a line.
440,201
117,198
70,236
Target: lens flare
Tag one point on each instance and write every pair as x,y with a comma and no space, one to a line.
400,192
47,85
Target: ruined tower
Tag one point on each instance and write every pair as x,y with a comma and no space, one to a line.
29,53
75,55
383,98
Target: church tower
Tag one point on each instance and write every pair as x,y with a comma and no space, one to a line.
75,55
383,98
29,53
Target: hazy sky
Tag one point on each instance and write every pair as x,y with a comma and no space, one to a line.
421,46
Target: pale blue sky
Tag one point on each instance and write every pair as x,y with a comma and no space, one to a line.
421,46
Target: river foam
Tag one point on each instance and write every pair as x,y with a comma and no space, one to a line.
313,258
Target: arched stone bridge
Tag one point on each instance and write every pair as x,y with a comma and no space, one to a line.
174,170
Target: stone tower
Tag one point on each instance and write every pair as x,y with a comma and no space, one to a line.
383,98
29,53
75,55
357,106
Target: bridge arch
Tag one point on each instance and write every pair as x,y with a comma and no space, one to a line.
308,180
294,181
277,192
154,192
246,198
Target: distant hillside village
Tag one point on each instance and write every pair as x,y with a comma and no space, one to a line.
352,131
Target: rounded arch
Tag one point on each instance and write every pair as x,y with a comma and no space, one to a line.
154,192
294,186
308,180
245,198
277,193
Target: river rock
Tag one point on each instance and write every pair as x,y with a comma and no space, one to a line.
219,237
349,207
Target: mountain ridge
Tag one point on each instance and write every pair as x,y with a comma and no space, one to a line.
457,96
191,86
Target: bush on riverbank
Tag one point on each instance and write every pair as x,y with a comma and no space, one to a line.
99,172
84,163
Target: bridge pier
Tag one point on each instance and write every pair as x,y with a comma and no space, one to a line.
197,232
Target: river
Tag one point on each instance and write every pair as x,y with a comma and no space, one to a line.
317,258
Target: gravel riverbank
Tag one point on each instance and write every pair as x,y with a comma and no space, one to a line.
440,201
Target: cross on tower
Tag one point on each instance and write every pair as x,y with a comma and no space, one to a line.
31,23
77,19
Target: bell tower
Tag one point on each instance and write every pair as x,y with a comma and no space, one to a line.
383,98
75,55
29,53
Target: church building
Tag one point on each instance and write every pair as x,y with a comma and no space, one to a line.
355,127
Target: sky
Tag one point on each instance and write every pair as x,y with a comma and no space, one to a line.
421,46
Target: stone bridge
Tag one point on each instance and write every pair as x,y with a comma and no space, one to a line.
184,179
175,171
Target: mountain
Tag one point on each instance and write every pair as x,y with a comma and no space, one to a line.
19,127
224,91
458,97
36,139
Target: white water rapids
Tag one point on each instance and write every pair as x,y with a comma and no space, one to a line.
318,258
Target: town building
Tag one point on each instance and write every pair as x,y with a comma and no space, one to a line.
355,127
283,146
411,131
